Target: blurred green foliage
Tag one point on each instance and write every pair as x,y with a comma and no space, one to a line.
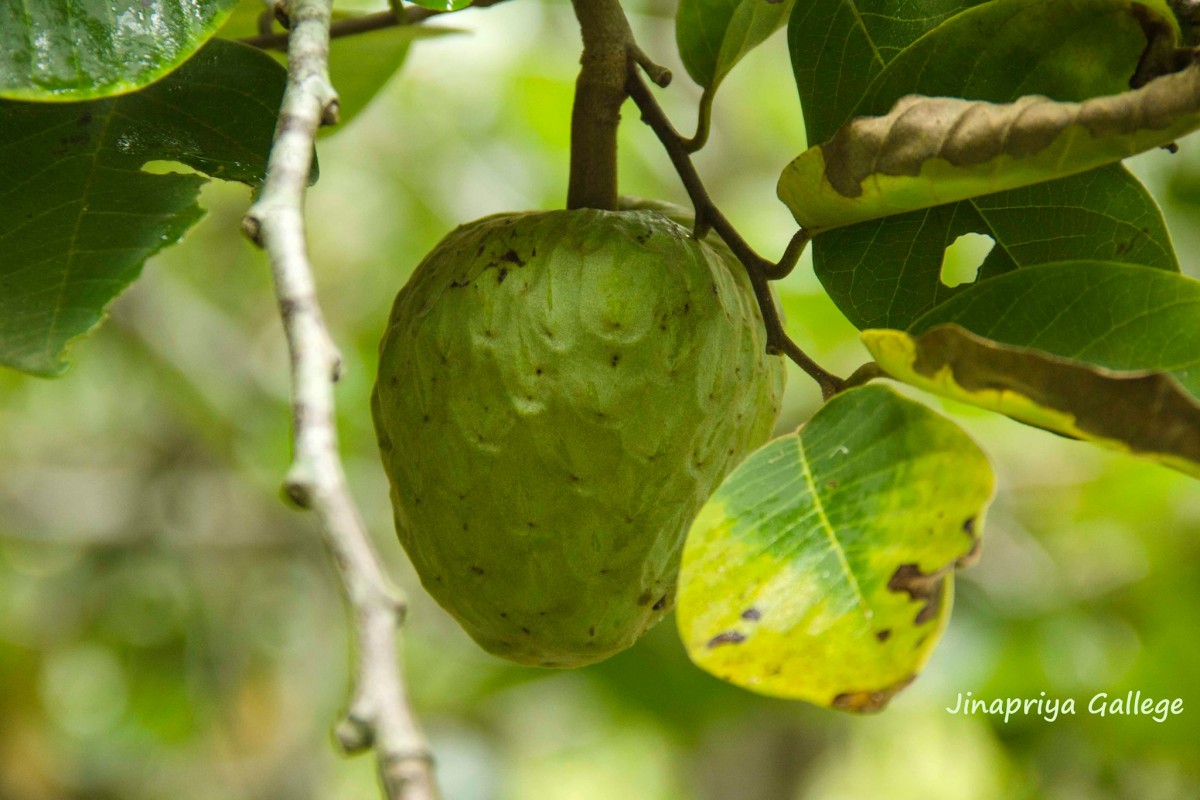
168,628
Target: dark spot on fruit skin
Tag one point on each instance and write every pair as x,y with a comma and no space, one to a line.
394,381
728,637
592,631
512,258
538,371
573,478
477,570
425,418
85,118
752,614
644,599
969,526
502,275
884,634
658,606
503,615
615,359
605,571
525,631
831,484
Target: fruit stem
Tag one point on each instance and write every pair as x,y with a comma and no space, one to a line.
599,93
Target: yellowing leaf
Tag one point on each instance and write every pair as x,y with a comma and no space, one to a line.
821,569
1144,414
928,151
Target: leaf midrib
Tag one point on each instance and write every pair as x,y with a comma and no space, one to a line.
71,246
827,528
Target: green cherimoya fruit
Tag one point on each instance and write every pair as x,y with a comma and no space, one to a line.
559,392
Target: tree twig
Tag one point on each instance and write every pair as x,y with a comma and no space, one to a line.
708,215
703,122
363,24
378,714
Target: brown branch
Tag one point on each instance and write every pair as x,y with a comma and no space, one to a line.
708,216
363,24
608,51
378,714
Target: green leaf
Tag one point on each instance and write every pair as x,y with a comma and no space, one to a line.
821,569
78,215
1116,316
1101,351
1143,413
442,5
714,35
886,273
68,50
359,65
929,151
839,47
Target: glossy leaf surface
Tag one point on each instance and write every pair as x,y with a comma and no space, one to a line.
68,50
79,215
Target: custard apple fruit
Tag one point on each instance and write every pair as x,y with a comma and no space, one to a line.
558,394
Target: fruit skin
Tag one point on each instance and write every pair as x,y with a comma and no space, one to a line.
559,392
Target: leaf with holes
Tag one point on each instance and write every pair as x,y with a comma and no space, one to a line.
714,35
885,272
929,151
69,50
1143,413
822,568
78,215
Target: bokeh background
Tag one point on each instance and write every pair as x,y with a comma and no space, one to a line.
170,629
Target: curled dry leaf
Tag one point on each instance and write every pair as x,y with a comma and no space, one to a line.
928,151
1144,413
